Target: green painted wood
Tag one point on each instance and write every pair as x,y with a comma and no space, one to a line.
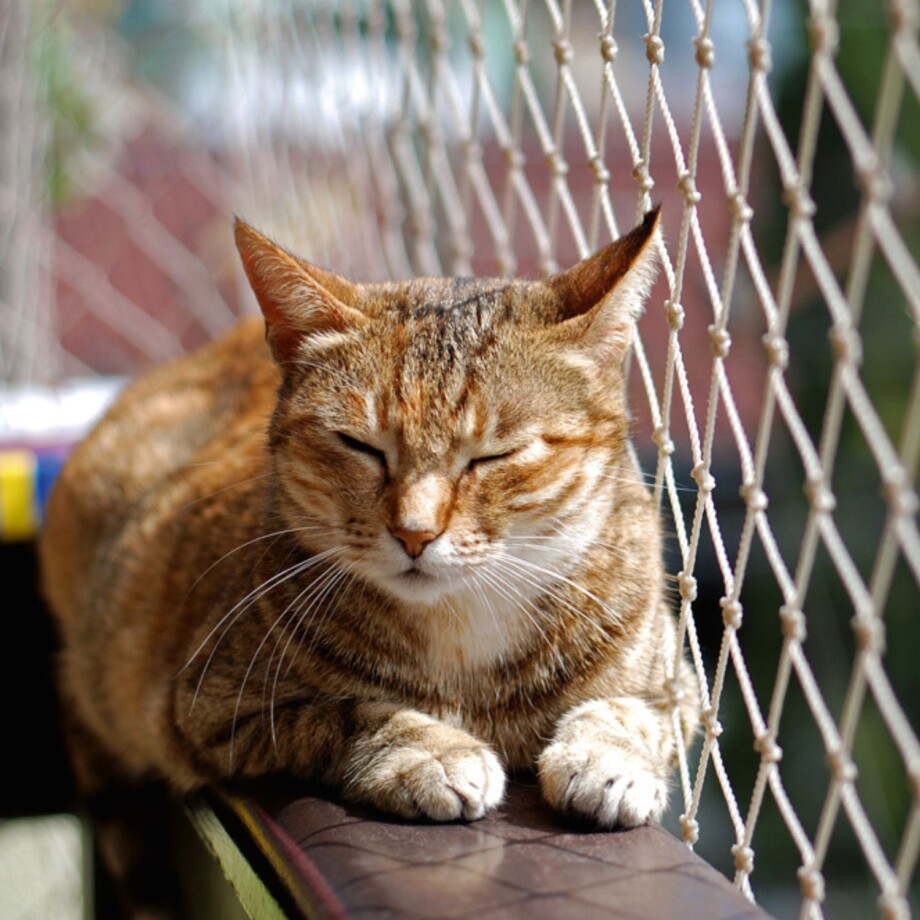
254,897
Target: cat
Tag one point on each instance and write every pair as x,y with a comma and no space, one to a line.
404,549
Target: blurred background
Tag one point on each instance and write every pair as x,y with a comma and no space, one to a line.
776,384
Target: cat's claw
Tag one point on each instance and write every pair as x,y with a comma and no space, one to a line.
608,786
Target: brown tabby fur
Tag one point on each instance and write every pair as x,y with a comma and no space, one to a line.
407,554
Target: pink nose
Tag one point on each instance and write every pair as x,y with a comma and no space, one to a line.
414,541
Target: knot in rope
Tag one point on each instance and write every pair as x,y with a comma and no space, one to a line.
760,54
477,45
429,130
507,264
892,906
687,585
754,497
719,340
654,48
661,437
439,41
562,50
741,210
870,633
421,225
819,496
711,724
460,249
732,613
875,183
777,349
913,780
548,265
902,18
703,478
675,314
799,201
900,497
744,858
792,621
905,502
514,158
608,48
641,175
601,173
705,52
405,29
823,34
690,829
812,882
521,53
769,750
688,189
557,165
846,345
842,768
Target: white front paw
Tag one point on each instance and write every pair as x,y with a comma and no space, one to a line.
428,780
610,786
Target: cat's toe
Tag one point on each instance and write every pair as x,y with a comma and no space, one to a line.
479,783
608,787
464,785
632,799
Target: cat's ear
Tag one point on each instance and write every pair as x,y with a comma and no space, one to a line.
601,297
297,299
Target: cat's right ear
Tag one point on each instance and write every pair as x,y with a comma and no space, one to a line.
297,299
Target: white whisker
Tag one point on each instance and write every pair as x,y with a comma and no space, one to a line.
257,652
505,586
268,536
240,608
517,565
319,590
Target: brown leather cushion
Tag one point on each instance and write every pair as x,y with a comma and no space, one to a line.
341,860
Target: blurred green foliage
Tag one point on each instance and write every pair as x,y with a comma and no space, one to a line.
73,120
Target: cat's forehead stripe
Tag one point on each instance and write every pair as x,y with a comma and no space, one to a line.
469,301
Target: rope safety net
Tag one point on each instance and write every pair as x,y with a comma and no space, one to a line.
776,381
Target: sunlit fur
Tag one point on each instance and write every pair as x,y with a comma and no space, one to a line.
404,548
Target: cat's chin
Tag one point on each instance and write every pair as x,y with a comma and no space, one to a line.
416,587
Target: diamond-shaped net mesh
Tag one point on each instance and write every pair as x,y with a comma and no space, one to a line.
776,377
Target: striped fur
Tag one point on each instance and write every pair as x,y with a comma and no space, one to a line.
403,549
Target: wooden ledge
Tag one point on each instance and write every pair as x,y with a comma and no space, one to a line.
321,858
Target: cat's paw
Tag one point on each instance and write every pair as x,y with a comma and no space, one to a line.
434,771
607,785
609,761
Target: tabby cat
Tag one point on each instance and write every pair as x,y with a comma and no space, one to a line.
403,549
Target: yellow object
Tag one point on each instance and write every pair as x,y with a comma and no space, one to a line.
18,505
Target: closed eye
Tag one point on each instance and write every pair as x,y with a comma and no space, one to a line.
490,458
362,448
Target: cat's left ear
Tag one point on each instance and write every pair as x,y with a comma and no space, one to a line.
601,297
297,299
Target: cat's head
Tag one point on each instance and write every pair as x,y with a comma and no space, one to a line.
446,436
